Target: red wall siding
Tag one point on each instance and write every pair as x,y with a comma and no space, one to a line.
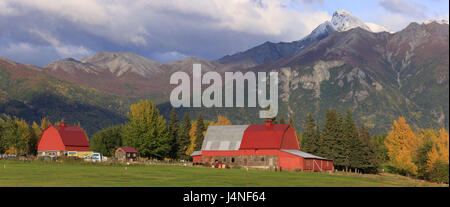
290,140
285,160
197,159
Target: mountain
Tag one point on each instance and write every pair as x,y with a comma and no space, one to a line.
27,92
268,51
379,76
121,63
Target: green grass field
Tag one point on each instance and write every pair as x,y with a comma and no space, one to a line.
19,173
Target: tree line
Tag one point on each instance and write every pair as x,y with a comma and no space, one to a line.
153,136
421,153
18,137
351,148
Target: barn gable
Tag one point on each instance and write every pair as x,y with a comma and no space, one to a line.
73,136
223,137
277,136
50,140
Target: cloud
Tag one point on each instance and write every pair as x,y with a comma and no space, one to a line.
376,27
164,57
404,7
207,29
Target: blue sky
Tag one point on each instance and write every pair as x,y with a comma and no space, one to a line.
42,31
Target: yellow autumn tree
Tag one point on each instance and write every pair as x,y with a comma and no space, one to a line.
439,151
45,123
221,121
402,143
191,147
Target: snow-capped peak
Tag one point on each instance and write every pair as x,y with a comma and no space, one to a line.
343,20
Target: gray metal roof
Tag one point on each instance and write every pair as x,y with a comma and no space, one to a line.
223,137
303,154
195,153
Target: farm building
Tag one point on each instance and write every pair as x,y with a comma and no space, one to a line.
58,140
269,146
126,154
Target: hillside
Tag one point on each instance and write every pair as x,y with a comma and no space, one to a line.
28,93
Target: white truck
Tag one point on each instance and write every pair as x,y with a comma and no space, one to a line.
97,157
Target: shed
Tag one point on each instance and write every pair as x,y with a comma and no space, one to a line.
267,146
197,157
58,140
126,154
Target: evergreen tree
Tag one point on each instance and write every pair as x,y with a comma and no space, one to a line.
147,131
282,120
199,136
291,121
173,129
349,142
339,144
183,140
370,162
328,146
308,138
318,140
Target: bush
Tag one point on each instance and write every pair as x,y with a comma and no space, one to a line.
439,173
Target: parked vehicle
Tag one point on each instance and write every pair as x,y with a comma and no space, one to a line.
97,157
80,154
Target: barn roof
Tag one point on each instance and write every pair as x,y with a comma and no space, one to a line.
129,149
267,137
72,135
303,154
224,137
196,153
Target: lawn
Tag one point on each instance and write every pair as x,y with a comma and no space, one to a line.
36,173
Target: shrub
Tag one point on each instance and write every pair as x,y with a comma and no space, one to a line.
440,172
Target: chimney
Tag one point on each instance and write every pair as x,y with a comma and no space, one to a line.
268,122
63,124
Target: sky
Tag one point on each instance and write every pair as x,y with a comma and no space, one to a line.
43,31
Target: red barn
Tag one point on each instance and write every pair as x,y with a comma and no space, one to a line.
57,140
269,146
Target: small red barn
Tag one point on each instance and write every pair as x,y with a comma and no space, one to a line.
126,154
57,140
269,146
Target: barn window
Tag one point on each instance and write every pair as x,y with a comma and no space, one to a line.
262,159
225,159
308,163
232,159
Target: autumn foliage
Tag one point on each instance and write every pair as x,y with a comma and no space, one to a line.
423,154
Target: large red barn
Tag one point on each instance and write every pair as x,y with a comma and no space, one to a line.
269,146
58,140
